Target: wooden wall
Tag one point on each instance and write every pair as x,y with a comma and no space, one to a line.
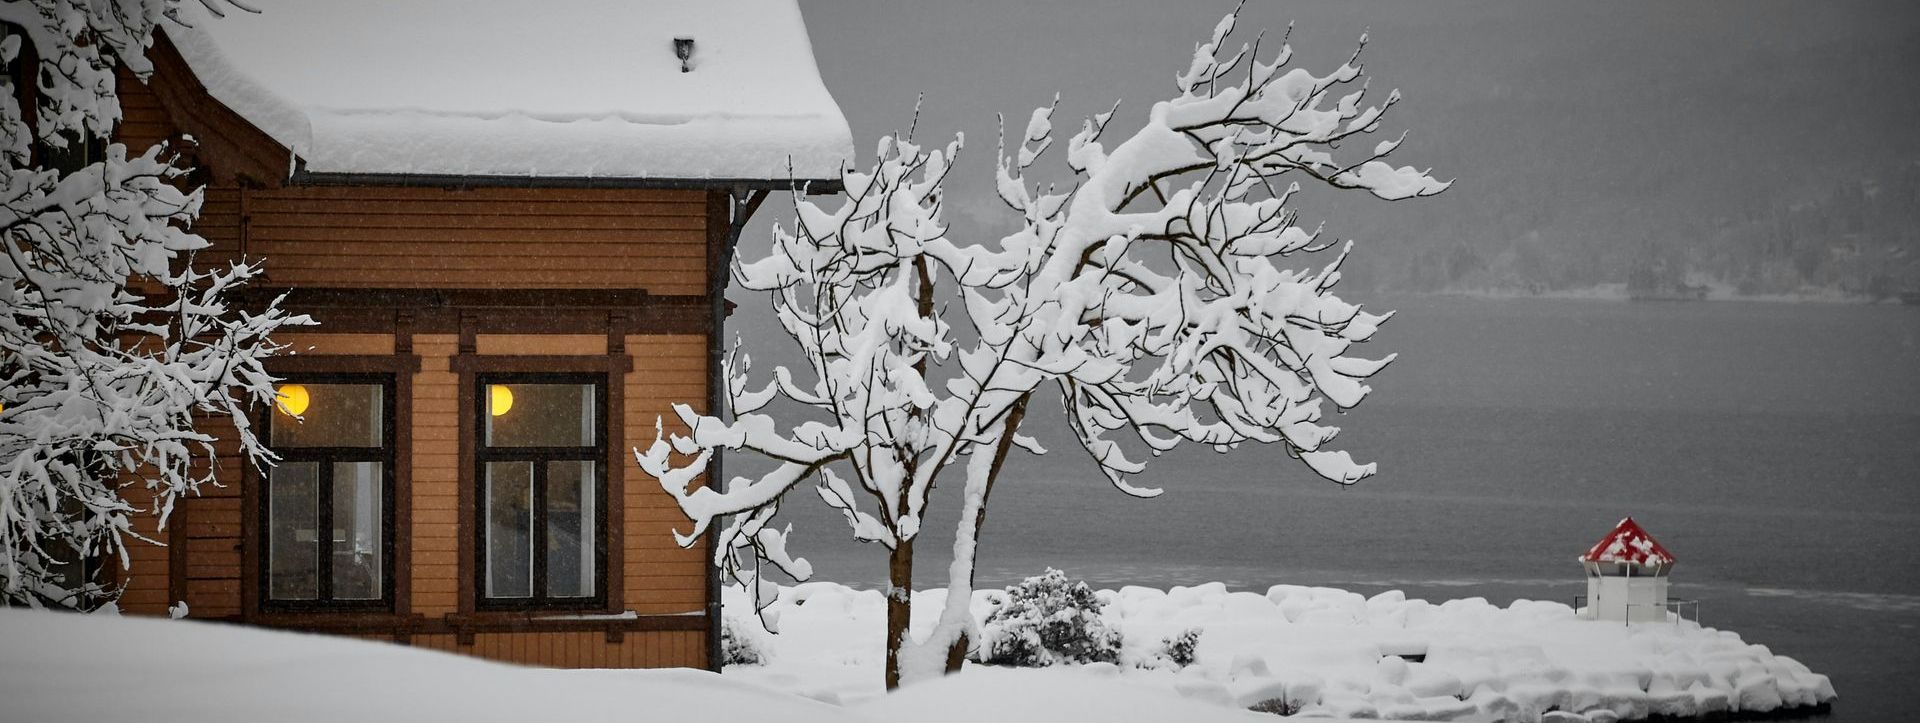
456,238
146,579
351,237
577,650
435,536
652,241
659,577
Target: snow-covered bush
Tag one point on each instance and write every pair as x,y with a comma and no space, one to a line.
113,349
1277,706
1179,649
1047,619
741,643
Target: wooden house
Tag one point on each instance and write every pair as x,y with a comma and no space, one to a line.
511,222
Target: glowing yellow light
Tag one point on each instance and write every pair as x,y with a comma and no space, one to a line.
292,399
499,399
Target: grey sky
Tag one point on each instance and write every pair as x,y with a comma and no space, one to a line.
1596,124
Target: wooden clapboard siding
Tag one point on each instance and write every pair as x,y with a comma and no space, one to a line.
654,649
535,344
316,344
143,122
485,238
146,580
211,565
436,478
661,577
219,223
195,558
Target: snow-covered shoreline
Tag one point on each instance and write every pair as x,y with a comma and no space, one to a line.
1618,292
1326,652
1316,651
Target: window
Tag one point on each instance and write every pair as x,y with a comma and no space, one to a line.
76,150
326,506
541,500
72,572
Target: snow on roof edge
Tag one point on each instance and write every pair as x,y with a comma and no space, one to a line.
279,118
785,148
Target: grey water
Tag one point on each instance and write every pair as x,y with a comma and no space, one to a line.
1773,447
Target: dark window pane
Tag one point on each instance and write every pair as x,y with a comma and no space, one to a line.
357,507
509,495
67,567
15,76
329,415
540,415
571,524
69,571
293,526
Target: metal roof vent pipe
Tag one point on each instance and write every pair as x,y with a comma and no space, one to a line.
683,49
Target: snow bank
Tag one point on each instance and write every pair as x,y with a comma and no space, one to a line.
89,668
1334,652
998,694
58,668
564,88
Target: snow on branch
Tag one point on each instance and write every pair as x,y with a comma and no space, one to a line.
1165,295
115,349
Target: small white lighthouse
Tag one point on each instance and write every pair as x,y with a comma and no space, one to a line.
1627,576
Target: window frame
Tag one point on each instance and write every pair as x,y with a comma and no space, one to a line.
483,453
325,457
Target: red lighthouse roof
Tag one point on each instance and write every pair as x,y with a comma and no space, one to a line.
1629,544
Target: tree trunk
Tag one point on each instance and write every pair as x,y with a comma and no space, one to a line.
957,654
899,606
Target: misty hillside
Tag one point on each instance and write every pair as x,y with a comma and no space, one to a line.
1764,175
1759,146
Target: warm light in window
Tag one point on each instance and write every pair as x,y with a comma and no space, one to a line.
292,399
499,399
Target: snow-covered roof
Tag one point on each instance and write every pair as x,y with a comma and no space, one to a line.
1629,544
558,88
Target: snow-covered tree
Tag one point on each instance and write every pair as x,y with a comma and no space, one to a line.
112,346
1155,294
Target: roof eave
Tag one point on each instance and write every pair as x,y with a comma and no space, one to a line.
303,177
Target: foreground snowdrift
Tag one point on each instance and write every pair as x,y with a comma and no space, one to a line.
1332,652
1314,650
61,668
101,668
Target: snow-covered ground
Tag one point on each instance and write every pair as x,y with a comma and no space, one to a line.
1314,649
1332,652
66,668
57,667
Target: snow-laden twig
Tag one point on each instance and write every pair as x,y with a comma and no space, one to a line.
116,352
1158,295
